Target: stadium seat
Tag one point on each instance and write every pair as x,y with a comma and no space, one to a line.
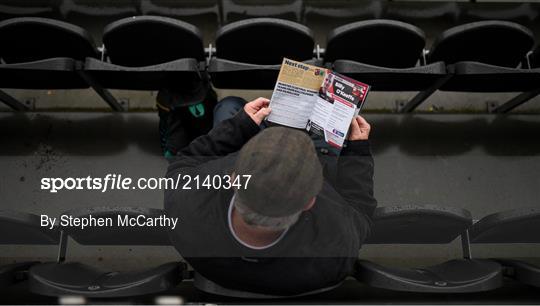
22,229
358,10
383,54
409,10
416,224
148,53
485,56
514,226
13,273
245,9
512,11
41,8
68,8
71,278
534,58
202,283
40,53
248,57
533,63
181,9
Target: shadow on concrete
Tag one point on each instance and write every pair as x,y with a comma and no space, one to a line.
436,135
69,134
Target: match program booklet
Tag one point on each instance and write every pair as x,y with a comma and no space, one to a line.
316,99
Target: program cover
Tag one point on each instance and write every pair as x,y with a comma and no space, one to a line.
340,98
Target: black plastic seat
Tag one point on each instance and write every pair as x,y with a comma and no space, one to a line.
22,229
75,278
148,53
72,9
459,275
354,9
41,53
181,9
247,56
514,226
478,59
416,224
485,56
383,54
534,58
525,273
13,273
288,9
208,286
56,279
11,9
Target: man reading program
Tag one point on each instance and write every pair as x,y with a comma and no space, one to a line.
293,229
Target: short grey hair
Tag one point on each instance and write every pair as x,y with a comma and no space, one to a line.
271,223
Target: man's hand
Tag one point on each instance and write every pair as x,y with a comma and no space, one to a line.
359,129
258,109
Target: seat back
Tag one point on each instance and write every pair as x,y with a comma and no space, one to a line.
264,41
18,228
113,231
150,40
498,43
202,283
418,224
514,226
385,43
31,39
534,58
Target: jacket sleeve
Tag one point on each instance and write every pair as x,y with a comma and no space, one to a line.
355,176
227,137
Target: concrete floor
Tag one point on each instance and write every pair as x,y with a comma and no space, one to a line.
455,155
483,163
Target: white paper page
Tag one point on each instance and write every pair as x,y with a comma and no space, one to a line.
295,93
338,123
291,106
335,106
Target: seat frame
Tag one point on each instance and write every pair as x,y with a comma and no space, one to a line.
461,69
488,282
40,285
72,66
202,283
482,233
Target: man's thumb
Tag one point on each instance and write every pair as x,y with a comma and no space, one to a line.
263,112
354,125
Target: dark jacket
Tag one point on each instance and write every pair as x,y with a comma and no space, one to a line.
318,251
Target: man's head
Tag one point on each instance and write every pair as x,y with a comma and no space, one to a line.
286,176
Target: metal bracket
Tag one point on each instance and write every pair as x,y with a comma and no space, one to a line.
30,103
124,102
102,52
62,247
423,95
400,104
466,245
528,59
210,52
424,59
12,102
102,92
515,102
320,52
491,105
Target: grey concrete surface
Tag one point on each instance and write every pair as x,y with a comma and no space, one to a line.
483,163
431,16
